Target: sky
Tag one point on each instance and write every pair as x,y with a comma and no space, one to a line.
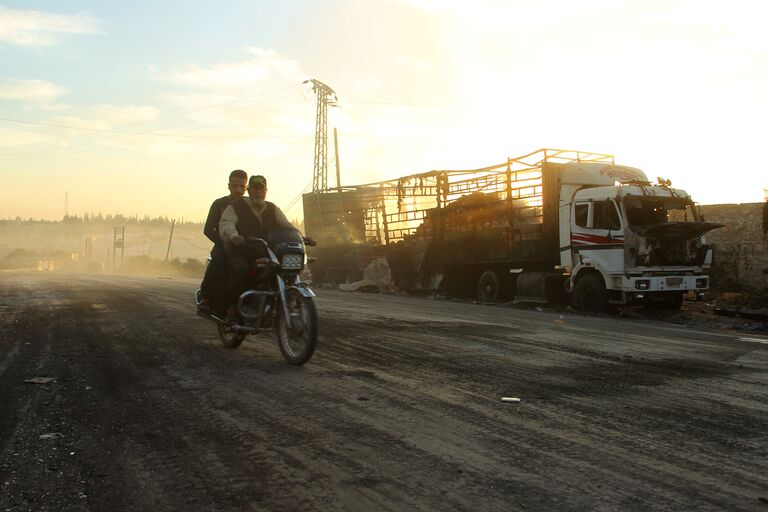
144,107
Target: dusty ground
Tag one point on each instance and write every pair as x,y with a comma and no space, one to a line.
400,409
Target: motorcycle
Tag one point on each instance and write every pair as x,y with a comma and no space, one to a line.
275,298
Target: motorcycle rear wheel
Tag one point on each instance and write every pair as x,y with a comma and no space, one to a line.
297,338
230,338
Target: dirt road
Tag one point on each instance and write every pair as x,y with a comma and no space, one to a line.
400,408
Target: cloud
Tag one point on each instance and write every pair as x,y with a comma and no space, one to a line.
259,95
36,92
12,138
38,28
108,117
264,66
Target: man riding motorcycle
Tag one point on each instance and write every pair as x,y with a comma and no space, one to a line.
248,217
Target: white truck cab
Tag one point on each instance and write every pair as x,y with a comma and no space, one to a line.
625,240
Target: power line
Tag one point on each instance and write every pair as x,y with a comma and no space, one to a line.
87,146
195,245
177,114
392,103
123,134
149,132
52,126
299,196
153,132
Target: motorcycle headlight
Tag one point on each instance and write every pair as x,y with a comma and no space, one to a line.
292,262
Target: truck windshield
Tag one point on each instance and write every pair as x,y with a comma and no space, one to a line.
651,211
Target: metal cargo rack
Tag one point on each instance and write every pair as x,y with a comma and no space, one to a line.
389,211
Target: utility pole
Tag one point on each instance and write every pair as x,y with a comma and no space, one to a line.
88,248
338,170
118,242
168,252
325,96
66,203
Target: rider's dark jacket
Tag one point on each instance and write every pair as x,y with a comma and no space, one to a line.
211,229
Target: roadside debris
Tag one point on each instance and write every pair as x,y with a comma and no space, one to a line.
510,399
751,314
629,312
52,435
40,380
755,340
360,286
377,278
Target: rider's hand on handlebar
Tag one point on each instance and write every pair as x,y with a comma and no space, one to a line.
310,241
237,239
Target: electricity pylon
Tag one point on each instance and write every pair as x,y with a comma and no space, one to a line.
325,96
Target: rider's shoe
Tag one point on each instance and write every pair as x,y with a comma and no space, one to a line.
204,305
231,317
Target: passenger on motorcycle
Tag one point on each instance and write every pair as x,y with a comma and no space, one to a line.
247,217
212,287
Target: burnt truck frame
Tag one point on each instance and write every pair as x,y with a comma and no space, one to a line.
548,226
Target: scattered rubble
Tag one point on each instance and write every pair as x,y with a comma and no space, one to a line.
40,380
752,314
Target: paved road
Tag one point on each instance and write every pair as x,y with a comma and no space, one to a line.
400,408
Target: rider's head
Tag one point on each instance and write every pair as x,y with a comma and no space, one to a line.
257,189
237,179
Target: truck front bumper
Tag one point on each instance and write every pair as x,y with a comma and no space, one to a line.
637,289
659,283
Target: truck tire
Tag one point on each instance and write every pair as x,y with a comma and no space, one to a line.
590,294
488,287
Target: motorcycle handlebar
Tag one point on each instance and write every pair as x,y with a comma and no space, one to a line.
252,240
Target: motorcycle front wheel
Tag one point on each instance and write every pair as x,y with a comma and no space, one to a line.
297,337
230,338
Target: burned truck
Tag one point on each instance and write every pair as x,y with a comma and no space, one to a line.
553,225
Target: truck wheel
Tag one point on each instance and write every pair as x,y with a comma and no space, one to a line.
488,287
590,294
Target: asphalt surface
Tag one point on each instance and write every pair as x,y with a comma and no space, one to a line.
400,408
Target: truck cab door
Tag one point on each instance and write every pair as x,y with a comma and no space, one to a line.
597,235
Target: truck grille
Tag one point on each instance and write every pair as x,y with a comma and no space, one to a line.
674,282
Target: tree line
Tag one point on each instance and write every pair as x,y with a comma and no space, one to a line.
109,219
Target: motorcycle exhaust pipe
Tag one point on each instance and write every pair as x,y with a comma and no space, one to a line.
211,316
